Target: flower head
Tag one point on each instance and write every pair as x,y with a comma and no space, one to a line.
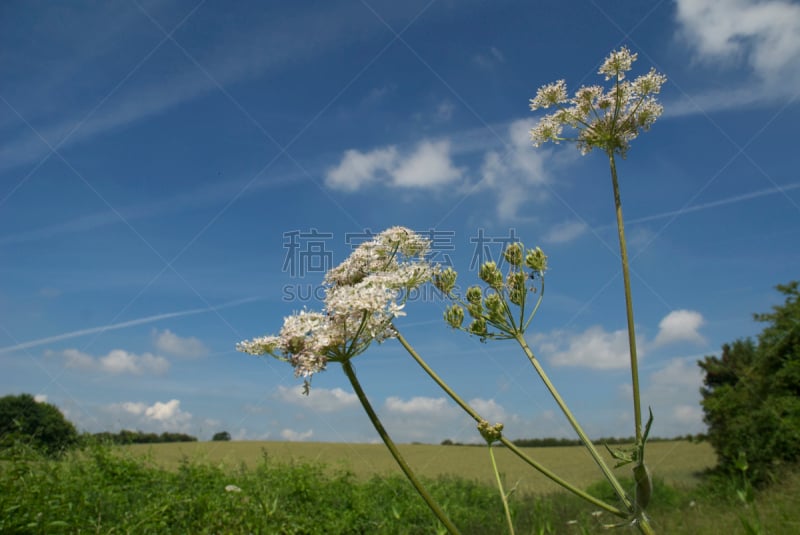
618,63
550,95
362,297
608,120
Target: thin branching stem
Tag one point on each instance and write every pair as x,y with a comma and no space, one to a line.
574,423
507,443
503,495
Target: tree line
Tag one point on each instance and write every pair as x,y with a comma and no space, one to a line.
140,437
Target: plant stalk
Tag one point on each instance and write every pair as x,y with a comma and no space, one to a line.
502,491
609,475
507,443
362,397
626,278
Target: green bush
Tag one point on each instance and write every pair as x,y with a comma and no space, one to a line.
751,394
40,425
221,436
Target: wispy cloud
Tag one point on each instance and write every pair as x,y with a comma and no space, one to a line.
208,194
319,400
296,436
712,204
565,232
762,35
489,59
266,43
123,325
765,35
172,344
515,175
116,362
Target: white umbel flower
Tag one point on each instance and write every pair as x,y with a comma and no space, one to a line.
363,296
605,120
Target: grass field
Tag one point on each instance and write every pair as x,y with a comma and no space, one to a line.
184,488
676,462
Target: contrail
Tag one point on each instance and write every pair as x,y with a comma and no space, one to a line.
721,202
124,324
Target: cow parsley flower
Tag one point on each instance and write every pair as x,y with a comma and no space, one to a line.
606,120
363,295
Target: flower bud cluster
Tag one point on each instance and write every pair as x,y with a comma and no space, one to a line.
490,433
362,297
608,121
492,307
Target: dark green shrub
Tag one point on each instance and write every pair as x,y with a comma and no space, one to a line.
40,425
751,394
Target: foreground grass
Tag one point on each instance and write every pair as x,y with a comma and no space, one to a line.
676,462
104,490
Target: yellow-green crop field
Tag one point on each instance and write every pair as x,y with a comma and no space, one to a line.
676,462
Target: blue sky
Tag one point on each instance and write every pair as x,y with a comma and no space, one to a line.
176,175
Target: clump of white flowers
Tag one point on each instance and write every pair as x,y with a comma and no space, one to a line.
362,297
605,120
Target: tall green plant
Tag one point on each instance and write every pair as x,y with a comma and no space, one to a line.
368,291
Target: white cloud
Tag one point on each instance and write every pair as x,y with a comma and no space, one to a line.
40,398
491,411
603,350
296,436
680,326
424,419
133,408
765,34
171,343
77,359
165,416
678,374
318,399
117,361
517,174
690,415
593,348
417,405
428,166
566,231
358,169
673,392
166,411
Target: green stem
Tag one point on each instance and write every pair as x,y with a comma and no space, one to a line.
362,397
585,439
626,278
502,492
644,525
507,443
